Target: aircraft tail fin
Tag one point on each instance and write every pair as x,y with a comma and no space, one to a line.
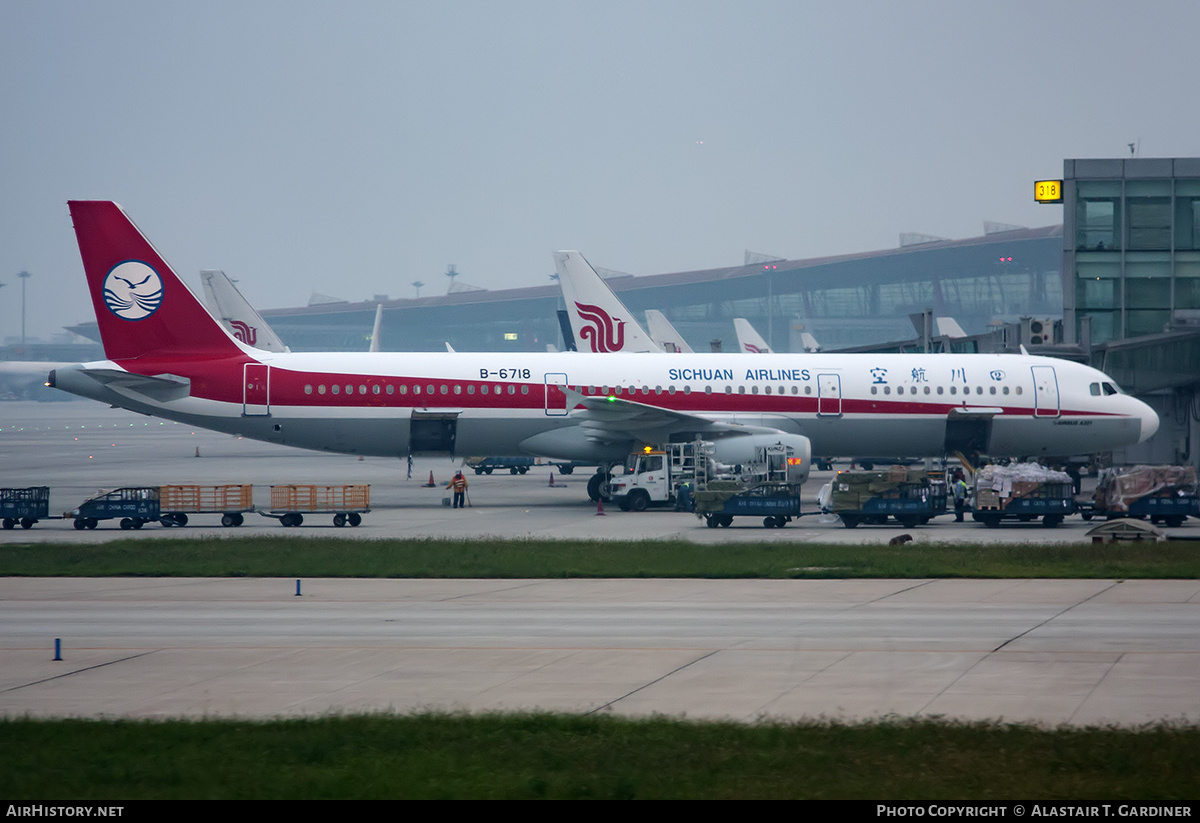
377,328
236,314
664,334
142,307
749,340
599,320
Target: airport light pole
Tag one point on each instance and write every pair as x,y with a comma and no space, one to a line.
24,276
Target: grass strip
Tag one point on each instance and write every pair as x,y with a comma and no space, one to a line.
496,558
554,756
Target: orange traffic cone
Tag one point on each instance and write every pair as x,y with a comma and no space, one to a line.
430,484
600,507
551,479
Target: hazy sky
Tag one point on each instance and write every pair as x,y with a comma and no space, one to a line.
354,147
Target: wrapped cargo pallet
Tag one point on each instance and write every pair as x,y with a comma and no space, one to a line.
1024,491
996,486
852,489
908,495
1120,488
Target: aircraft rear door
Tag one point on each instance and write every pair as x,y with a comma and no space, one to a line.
256,390
1045,391
556,398
829,395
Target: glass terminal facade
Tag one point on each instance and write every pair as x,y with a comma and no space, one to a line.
1131,232
848,300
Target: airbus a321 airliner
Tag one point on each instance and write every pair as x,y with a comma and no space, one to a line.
169,358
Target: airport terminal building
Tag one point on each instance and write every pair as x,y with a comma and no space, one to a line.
853,300
1131,286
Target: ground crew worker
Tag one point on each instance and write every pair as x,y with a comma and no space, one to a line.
459,486
959,487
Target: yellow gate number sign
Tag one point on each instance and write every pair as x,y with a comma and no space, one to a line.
1048,191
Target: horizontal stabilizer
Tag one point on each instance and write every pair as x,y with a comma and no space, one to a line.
159,387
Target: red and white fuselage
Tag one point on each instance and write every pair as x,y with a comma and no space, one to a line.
169,358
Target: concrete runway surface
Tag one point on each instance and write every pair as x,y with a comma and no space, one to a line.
1077,652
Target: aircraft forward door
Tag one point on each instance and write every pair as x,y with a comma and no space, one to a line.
556,398
256,390
1045,392
829,395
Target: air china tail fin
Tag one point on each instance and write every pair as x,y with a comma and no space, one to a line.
664,334
599,320
236,314
749,340
142,307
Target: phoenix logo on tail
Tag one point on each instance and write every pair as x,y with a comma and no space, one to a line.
605,333
244,331
133,290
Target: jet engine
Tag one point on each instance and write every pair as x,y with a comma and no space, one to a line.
762,453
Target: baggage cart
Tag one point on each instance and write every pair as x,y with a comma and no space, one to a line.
766,486
910,496
25,506
722,500
347,504
487,465
231,501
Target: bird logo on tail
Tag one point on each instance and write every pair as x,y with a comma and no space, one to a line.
133,290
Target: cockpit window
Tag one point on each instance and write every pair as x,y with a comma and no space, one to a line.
1109,388
1095,387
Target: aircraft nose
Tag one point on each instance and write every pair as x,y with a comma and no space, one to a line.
1149,422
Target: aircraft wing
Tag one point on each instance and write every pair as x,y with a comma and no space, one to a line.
616,420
